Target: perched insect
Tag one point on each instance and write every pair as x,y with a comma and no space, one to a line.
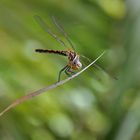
73,58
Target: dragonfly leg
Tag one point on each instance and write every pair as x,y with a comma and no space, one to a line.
61,72
69,72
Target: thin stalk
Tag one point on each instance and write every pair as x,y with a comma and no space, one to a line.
45,89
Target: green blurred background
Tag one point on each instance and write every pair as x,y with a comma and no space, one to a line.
93,106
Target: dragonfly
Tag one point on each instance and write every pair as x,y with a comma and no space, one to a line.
74,62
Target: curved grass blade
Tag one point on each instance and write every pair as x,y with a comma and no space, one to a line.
45,89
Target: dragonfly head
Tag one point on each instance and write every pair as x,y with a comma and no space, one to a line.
76,64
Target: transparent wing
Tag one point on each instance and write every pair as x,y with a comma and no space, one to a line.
41,22
60,28
98,67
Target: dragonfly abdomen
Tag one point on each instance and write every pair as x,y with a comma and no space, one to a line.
64,53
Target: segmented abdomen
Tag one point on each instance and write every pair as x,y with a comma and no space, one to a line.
64,53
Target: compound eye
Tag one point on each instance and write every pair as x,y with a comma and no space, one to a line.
74,63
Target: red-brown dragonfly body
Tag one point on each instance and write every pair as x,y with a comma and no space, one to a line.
73,57
73,64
